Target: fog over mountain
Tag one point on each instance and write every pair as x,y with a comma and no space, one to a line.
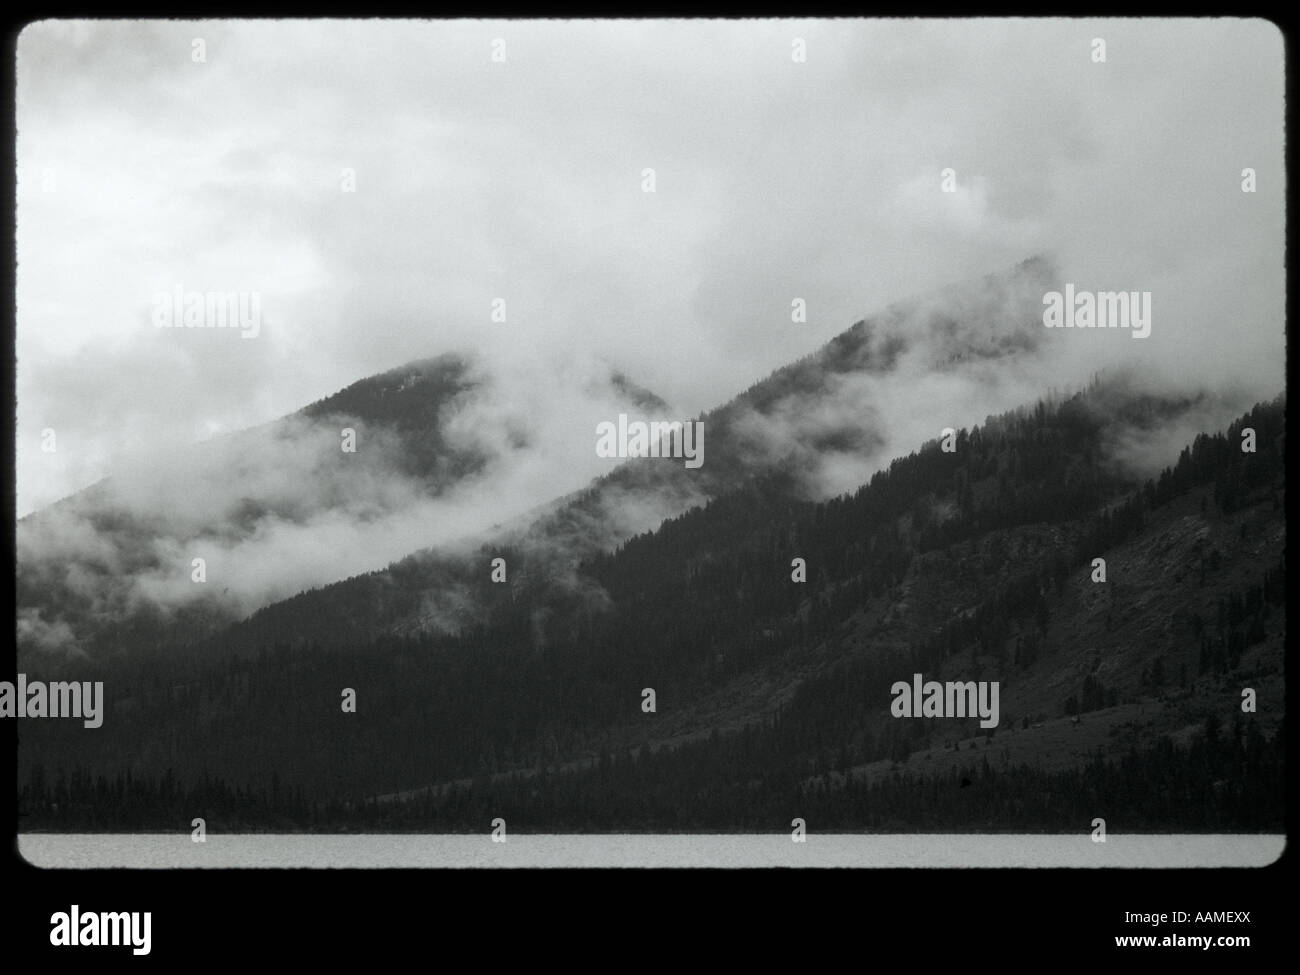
443,448
140,170
818,427
669,426
666,230
450,456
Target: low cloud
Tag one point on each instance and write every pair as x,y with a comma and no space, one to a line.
282,508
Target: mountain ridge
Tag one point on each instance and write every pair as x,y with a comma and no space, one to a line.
772,693
962,325
111,565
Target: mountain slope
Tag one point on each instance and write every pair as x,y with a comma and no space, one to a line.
415,455
818,426
773,695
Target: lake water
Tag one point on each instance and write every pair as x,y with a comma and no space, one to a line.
831,850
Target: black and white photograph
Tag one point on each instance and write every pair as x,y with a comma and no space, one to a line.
691,444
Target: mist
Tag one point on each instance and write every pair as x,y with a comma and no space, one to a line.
404,195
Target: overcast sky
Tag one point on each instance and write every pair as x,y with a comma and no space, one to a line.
141,169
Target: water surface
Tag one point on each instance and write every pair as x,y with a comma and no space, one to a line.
825,851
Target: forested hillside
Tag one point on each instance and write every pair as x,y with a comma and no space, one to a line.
824,412
772,695
109,571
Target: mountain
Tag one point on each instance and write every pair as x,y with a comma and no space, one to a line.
415,455
817,426
721,647
773,687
